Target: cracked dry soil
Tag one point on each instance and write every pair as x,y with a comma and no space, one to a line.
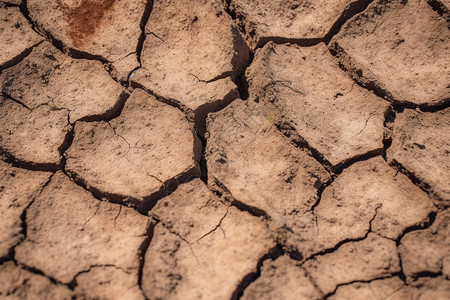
239,149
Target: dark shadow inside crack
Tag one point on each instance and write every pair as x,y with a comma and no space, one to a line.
439,7
111,113
351,10
360,281
202,162
426,223
18,58
348,66
112,198
272,254
346,241
145,17
41,273
225,195
143,250
29,165
389,119
201,113
140,205
24,9
416,180
299,142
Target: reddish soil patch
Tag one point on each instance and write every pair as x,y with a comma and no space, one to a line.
84,19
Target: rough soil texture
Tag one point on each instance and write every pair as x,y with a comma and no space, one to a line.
367,197
283,278
394,289
427,251
144,151
14,199
106,29
33,137
290,20
19,283
442,7
108,282
11,2
415,148
191,55
224,149
16,35
47,77
75,231
309,93
365,260
400,55
223,243
257,165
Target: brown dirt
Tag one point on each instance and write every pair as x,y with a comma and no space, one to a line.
84,19
106,30
16,36
233,149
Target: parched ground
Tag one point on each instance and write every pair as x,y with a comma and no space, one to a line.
240,149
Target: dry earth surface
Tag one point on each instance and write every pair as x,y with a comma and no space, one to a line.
235,149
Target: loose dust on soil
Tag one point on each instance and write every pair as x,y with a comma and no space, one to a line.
227,149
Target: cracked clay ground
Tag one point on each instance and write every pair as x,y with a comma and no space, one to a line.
241,149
